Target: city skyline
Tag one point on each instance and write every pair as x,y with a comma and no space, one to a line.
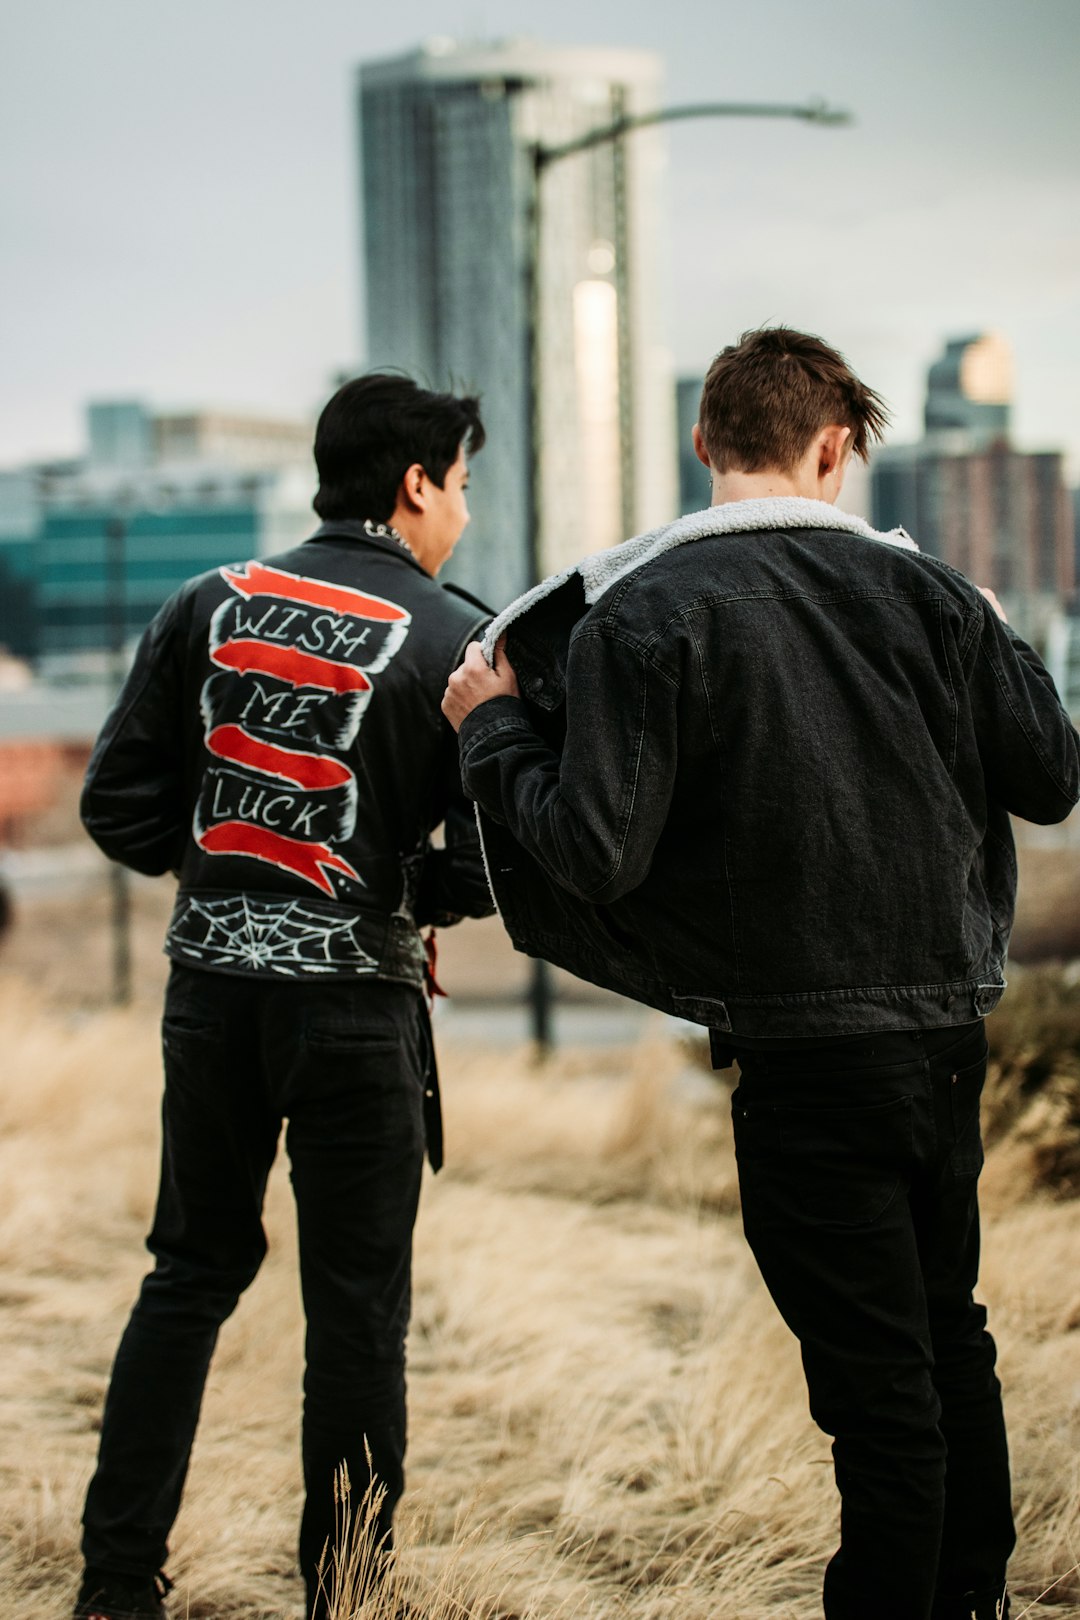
181,218
997,513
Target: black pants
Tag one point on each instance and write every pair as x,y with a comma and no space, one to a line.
347,1064
858,1166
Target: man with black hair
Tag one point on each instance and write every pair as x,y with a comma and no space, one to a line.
756,769
278,745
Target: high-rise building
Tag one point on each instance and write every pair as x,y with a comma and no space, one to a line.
1063,637
229,439
120,433
19,507
446,135
998,514
969,392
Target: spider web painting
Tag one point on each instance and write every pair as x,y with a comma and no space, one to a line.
289,937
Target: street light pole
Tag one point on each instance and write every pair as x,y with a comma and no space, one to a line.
119,879
810,112
540,993
540,159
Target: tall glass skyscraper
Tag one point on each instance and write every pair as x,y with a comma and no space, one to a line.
445,133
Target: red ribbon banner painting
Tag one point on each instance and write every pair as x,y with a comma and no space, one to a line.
295,660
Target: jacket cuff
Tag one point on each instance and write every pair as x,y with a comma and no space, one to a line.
497,714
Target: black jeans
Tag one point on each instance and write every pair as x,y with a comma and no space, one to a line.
347,1063
858,1166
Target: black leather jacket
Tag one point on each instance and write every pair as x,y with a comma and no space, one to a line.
278,744
760,775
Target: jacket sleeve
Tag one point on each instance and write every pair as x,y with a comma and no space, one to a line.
1029,747
132,800
591,817
453,881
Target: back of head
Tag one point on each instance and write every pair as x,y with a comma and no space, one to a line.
375,428
767,397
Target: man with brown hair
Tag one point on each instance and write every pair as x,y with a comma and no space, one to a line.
756,769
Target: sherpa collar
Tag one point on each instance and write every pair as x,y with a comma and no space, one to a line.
780,512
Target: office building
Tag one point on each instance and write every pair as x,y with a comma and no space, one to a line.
447,182
969,392
19,521
92,547
998,514
226,439
1063,635
120,434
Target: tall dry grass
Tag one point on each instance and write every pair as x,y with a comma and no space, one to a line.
607,1417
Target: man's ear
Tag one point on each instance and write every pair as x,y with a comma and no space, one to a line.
412,492
831,443
699,447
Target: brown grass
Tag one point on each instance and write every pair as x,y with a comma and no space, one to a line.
607,1417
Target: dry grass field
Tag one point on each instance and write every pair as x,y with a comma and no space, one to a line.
608,1420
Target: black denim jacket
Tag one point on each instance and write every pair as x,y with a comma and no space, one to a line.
761,773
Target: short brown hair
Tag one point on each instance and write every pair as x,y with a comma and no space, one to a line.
767,396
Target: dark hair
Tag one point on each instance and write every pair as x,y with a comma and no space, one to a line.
374,429
767,396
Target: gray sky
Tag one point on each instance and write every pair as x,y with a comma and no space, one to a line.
178,191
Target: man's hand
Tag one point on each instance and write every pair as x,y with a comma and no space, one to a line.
475,682
984,590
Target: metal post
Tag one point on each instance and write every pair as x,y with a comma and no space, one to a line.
542,1006
541,991
624,328
119,877
534,363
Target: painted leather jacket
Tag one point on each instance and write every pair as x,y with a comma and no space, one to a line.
761,771
278,744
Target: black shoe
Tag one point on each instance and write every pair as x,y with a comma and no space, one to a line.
120,1597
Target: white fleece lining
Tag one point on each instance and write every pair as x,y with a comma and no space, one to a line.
780,512
484,856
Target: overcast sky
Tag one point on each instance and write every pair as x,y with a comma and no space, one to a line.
178,186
